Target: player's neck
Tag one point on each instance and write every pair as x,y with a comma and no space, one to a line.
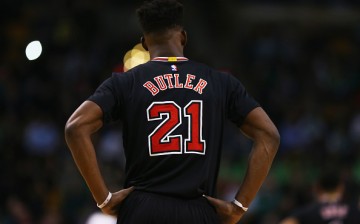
165,51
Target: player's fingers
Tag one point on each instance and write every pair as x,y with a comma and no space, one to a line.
211,199
125,192
214,201
117,199
128,190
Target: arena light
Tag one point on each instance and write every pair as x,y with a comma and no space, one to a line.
33,50
139,47
136,56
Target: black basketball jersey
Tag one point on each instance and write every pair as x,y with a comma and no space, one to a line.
329,213
173,112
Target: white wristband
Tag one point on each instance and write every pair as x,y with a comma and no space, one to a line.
106,201
236,202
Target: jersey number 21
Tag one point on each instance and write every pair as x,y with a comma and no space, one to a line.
161,142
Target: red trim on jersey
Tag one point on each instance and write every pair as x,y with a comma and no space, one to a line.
170,59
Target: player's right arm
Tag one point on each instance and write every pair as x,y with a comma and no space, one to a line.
82,124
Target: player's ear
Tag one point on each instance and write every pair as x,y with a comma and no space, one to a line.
183,38
143,43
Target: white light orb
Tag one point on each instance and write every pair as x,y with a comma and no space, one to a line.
33,50
99,218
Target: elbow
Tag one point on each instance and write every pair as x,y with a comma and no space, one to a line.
275,136
73,134
269,139
71,130
273,140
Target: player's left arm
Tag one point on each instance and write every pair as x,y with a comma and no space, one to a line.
258,127
82,124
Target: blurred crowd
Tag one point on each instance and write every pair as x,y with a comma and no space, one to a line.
306,75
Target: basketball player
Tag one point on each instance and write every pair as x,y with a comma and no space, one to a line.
173,112
329,206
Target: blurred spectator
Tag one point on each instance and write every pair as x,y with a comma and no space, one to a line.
329,206
18,212
41,137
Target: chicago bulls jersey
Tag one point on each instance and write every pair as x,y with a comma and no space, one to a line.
173,112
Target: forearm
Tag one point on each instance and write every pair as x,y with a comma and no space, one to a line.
259,163
83,152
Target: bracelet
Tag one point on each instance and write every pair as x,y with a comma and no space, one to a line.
236,202
108,198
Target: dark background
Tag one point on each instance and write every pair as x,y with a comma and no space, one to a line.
299,59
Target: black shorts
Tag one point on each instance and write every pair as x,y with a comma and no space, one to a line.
148,208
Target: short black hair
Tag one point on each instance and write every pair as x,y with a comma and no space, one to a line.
160,15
